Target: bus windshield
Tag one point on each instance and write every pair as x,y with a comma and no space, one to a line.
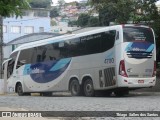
139,34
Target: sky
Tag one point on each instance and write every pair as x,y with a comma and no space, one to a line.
158,2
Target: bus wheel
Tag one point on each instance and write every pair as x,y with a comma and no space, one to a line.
20,89
75,88
88,88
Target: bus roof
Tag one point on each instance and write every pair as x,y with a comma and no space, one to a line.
66,37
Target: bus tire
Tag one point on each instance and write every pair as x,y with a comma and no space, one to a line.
75,88
88,88
20,89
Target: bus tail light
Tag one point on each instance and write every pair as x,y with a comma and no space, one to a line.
154,69
122,70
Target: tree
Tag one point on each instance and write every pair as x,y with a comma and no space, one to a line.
9,8
54,12
93,21
112,10
83,20
145,11
12,7
72,23
41,3
61,3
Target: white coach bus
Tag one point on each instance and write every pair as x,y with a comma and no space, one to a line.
112,59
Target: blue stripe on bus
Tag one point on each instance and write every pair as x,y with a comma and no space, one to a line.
60,64
142,46
44,72
151,47
26,69
128,46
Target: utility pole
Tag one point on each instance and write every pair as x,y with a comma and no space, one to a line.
1,46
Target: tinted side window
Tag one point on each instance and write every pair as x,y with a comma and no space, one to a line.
25,57
51,53
108,39
91,44
74,47
61,49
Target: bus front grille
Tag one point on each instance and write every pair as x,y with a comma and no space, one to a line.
109,74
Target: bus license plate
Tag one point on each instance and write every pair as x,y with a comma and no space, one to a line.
140,81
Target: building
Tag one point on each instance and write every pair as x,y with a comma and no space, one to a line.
32,21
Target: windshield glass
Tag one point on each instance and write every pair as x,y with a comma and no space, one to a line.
131,34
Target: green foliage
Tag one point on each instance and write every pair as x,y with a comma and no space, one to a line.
41,3
113,10
12,7
145,11
93,21
83,19
61,3
54,12
53,23
122,11
72,23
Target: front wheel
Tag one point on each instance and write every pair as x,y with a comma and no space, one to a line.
20,89
88,88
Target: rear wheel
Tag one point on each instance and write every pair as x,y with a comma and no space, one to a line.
88,88
75,87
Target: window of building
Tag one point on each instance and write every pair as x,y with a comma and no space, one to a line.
29,29
15,29
41,29
4,28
